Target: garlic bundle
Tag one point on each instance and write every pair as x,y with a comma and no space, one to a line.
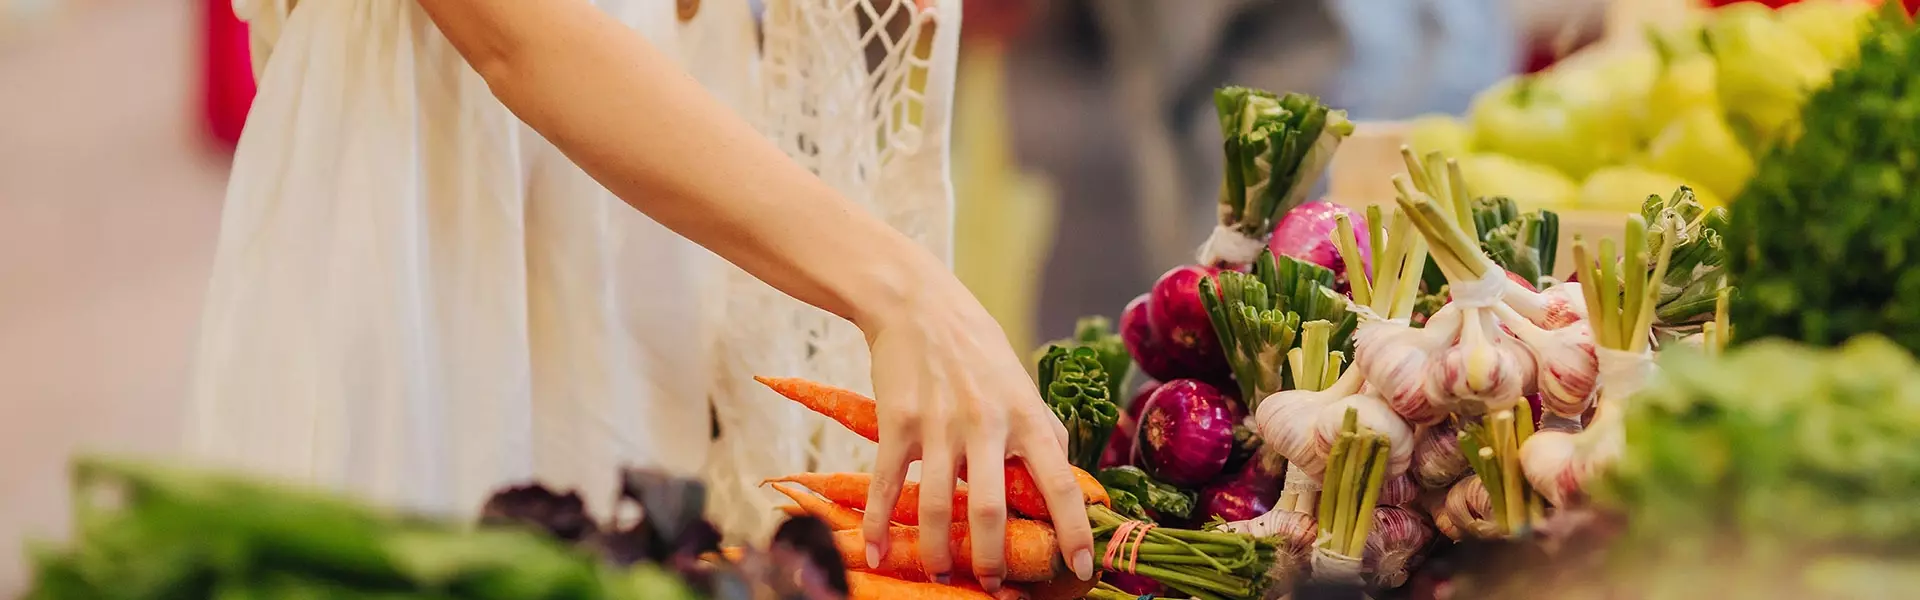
1437,461
1492,446
1394,356
1561,464
1285,420
1371,413
1356,468
1483,369
1566,369
1395,546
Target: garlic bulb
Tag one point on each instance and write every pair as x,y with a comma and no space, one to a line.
1437,461
1400,491
1566,370
1395,358
1469,508
1373,414
1295,529
1484,370
1286,421
1561,464
1395,545
1552,308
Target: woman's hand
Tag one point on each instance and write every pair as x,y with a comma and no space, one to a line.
952,393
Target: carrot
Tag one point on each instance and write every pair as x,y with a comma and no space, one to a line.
836,516
868,586
858,414
1031,550
793,510
850,490
854,411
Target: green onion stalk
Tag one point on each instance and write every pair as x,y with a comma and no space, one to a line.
1204,565
1074,383
1356,469
1276,148
1689,294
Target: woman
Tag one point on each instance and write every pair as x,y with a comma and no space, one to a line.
416,300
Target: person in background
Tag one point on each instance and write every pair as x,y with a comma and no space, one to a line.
1138,155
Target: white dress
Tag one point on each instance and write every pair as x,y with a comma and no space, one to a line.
416,299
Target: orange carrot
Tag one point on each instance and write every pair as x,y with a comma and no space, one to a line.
836,516
854,411
1031,550
850,490
868,586
793,510
858,414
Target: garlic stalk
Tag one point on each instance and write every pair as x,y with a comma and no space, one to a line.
1393,355
1355,471
1285,420
1395,546
1560,464
1492,446
1374,415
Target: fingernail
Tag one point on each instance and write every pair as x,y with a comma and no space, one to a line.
942,578
990,583
1083,565
873,556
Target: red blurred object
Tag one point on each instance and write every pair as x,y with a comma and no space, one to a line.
227,76
996,20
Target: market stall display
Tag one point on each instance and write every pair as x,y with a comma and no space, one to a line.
1399,399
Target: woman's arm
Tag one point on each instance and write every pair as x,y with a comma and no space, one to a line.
628,116
952,391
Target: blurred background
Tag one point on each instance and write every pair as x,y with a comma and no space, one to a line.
1086,164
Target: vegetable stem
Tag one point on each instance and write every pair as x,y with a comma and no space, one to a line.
1349,243
1376,476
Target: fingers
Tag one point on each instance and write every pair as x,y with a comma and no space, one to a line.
936,507
1065,502
889,470
987,503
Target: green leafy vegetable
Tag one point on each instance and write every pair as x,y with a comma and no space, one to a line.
1820,241
1163,499
1075,385
1697,269
145,531
1771,457
1096,332
1257,317
1276,148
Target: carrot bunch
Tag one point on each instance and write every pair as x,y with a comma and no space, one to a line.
1207,565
